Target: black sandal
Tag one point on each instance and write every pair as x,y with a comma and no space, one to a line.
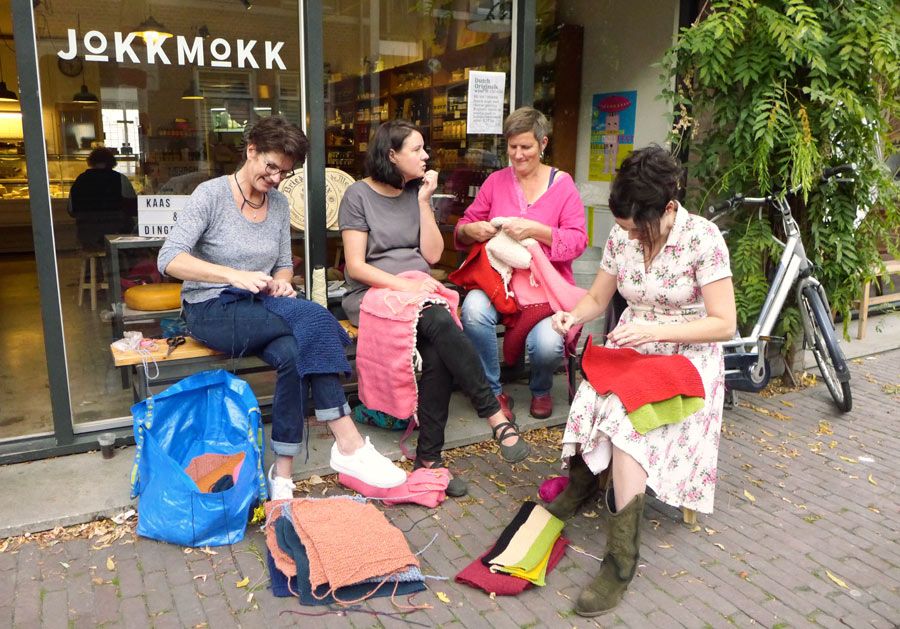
516,452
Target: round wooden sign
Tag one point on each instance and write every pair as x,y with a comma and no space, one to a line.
336,182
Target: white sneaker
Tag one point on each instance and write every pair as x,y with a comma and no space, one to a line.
368,465
280,488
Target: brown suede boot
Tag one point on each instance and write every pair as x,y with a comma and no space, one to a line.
583,485
623,540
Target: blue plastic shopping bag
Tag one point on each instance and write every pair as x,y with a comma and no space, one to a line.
209,412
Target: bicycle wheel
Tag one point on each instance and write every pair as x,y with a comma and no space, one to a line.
825,348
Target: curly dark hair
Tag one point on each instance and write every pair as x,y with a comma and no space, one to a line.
102,157
276,134
647,180
389,136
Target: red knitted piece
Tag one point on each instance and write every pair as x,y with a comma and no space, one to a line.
639,379
477,575
517,331
348,542
476,272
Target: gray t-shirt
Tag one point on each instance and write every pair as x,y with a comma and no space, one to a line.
212,228
393,241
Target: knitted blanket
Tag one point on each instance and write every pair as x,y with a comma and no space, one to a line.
320,338
348,542
386,345
638,379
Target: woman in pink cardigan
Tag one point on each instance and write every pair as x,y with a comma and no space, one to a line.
542,203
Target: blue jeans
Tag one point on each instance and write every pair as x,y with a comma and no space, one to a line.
544,346
247,328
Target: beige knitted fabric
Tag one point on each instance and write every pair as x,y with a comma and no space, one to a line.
348,542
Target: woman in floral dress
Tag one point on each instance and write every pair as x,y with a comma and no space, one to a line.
672,267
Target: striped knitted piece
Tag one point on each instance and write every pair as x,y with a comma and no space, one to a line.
527,550
348,542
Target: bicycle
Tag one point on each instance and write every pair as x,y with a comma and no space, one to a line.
747,367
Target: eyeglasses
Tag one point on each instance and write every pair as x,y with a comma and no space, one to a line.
273,169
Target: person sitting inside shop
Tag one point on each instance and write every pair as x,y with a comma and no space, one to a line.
102,201
232,245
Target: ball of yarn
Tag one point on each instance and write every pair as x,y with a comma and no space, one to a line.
552,487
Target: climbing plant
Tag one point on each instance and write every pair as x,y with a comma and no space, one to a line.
768,92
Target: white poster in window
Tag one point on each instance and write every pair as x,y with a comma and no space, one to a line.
485,111
157,213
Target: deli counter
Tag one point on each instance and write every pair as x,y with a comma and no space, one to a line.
15,206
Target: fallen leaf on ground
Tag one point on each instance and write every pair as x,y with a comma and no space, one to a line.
249,597
97,581
208,551
871,479
788,404
873,509
749,496
315,479
743,574
110,564
492,596
846,458
824,428
202,577
590,514
443,597
837,580
664,546
64,565
719,546
188,551
242,583
710,531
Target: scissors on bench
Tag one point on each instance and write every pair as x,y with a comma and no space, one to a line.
173,342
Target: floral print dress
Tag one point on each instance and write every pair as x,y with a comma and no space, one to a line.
680,459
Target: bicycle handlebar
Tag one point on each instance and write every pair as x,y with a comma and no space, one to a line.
740,199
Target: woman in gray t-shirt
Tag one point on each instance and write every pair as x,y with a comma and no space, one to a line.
234,232
388,227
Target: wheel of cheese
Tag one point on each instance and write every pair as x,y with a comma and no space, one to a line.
165,296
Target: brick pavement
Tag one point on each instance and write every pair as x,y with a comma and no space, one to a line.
805,533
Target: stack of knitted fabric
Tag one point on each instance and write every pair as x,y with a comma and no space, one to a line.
526,551
337,550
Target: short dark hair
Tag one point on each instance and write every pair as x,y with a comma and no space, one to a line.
102,158
276,134
389,136
647,180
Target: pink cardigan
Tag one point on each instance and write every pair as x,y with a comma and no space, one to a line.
560,207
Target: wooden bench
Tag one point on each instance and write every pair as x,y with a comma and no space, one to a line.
891,267
185,360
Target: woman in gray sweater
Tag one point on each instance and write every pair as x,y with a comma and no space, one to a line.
234,233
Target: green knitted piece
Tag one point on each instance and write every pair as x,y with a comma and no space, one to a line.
671,411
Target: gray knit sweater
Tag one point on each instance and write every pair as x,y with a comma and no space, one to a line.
212,228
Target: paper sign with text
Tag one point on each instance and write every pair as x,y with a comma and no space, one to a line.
486,92
157,213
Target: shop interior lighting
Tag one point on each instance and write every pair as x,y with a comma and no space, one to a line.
151,31
498,18
192,92
6,94
84,96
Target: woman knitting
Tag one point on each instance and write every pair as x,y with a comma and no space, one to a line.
672,268
390,240
232,247
539,202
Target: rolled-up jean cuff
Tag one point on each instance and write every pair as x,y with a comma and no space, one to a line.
282,448
331,414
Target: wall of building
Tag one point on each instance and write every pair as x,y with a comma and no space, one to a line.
623,40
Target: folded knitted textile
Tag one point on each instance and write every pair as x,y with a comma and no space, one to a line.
320,338
671,411
514,338
386,344
543,283
639,379
477,575
299,584
206,469
476,272
423,486
348,542
525,543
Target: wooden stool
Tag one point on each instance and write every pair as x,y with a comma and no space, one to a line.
890,268
88,279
